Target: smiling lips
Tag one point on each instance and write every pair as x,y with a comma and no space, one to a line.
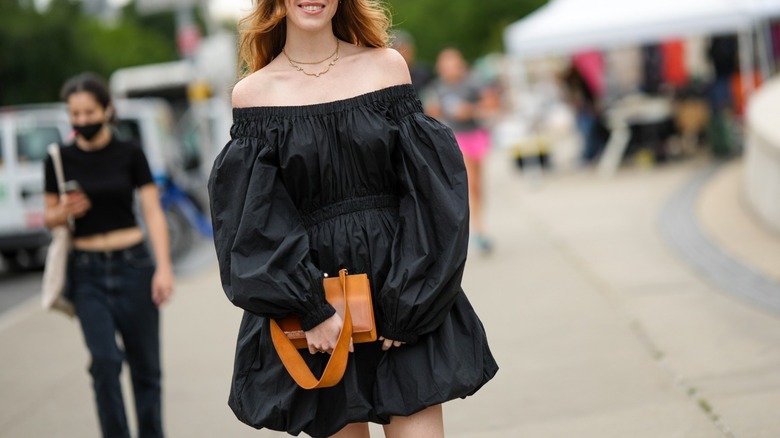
312,7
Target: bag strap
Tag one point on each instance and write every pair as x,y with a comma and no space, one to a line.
337,364
56,159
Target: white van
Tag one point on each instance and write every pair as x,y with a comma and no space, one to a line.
25,133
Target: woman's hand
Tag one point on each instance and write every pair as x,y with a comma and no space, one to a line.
58,208
323,337
162,285
387,343
74,204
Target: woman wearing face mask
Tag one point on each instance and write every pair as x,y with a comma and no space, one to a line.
114,283
332,164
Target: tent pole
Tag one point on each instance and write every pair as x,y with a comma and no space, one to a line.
746,63
765,49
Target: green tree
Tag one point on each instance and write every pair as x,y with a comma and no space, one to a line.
474,27
126,44
40,49
35,50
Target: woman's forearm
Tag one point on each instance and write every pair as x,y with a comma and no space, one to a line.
54,213
156,225
158,234
54,217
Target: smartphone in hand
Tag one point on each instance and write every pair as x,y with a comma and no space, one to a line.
72,186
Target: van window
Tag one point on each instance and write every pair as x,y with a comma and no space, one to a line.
32,142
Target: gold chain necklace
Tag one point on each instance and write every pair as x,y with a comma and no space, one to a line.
294,65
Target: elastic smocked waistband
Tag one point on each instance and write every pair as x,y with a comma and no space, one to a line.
130,252
348,206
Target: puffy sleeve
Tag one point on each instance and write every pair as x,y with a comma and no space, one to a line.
429,247
262,247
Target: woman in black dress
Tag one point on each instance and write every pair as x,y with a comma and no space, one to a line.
332,164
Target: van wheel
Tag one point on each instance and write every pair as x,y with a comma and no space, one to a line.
12,261
27,259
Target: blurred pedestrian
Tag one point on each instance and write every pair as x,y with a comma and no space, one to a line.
332,164
457,99
581,94
723,53
421,75
724,56
113,281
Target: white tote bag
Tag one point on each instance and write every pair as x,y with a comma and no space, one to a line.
55,271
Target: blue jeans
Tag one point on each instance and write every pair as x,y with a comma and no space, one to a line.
586,124
112,294
720,95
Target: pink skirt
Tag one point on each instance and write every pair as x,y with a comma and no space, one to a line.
473,144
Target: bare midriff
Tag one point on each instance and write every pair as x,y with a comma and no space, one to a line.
110,241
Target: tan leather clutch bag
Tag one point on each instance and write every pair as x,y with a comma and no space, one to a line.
359,325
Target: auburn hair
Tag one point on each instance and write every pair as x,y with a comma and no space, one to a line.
262,33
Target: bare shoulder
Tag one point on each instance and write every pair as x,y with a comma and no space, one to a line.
254,89
386,66
241,90
393,66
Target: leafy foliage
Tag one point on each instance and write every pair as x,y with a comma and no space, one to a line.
40,49
474,27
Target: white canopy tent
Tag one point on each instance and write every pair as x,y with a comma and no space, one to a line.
764,8
565,26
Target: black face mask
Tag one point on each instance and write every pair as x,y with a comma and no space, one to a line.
88,131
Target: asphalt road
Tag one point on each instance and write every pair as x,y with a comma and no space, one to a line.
17,287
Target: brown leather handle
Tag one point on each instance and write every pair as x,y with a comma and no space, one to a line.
337,364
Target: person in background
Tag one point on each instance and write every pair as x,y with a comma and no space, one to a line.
725,104
582,97
723,54
421,75
332,164
113,282
457,99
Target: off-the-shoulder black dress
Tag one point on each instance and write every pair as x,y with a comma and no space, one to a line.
371,184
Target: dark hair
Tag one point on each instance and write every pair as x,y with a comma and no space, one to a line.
90,83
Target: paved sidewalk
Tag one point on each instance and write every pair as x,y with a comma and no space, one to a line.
600,329
725,215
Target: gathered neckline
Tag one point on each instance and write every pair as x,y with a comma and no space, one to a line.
391,92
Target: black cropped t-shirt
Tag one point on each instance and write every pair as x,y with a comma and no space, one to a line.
109,177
